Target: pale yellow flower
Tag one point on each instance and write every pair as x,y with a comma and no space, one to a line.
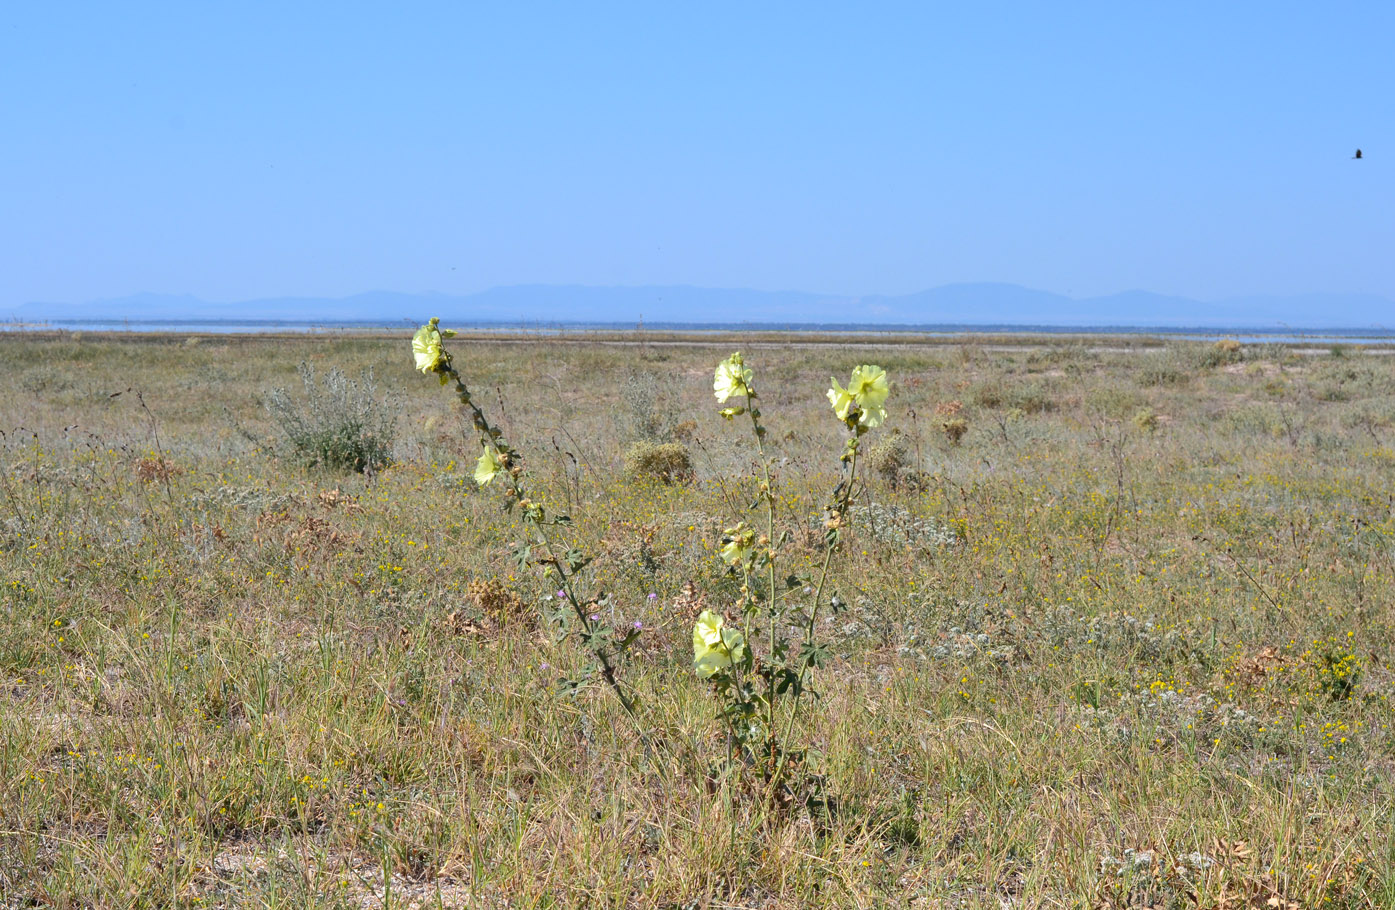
737,544
869,387
867,390
731,378
426,346
487,467
715,647
841,400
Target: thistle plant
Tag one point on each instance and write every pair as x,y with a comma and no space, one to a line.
575,615
761,691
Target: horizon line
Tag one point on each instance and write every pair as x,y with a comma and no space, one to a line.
829,295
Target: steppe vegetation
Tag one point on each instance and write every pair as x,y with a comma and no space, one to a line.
1114,628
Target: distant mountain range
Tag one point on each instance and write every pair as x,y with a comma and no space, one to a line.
950,305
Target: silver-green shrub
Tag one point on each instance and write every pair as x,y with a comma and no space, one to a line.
340,423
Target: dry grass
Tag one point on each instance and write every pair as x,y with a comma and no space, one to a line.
1084,662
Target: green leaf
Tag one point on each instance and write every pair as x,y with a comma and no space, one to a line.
790,682
814,655
599,637
561,616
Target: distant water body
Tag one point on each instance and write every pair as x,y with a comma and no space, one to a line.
1245,334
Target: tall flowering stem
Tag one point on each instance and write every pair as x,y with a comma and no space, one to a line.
499,460
766,546
860,407
835,521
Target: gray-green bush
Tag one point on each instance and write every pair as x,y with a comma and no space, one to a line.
646,411
340,423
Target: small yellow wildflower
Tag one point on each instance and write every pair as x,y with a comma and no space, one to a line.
732,378
715,647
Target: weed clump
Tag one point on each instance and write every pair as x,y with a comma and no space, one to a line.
669,462
1114,401
1349,379
499,603
1031,398
988,395
340,424
156,467
1338,674
954,429
890,458
899,527
1225,351
646,413
1145,420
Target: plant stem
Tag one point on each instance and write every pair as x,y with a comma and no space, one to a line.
840,511
491,437
768,493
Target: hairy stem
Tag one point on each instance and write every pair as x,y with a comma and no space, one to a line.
492,438
768,494
840,513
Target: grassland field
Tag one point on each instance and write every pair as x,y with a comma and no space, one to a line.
1118,630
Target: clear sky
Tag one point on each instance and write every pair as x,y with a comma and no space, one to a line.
236,150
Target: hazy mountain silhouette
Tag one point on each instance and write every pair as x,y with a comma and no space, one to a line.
950,305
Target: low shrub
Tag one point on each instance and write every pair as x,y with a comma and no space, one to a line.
1145,420
1114,401
668,463
340,424
500,604
646,411
1162,370
1029,398
1225,351
890,458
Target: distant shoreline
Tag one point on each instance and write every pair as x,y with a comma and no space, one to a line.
1123,337
631,329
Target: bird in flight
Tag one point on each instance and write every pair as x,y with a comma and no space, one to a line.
1358,154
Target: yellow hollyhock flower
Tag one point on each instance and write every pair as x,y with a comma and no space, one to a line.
737,544
731,378
715,647
426,346
867,390
869,387
487,467
841,400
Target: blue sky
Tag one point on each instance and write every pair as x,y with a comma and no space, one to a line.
257,149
